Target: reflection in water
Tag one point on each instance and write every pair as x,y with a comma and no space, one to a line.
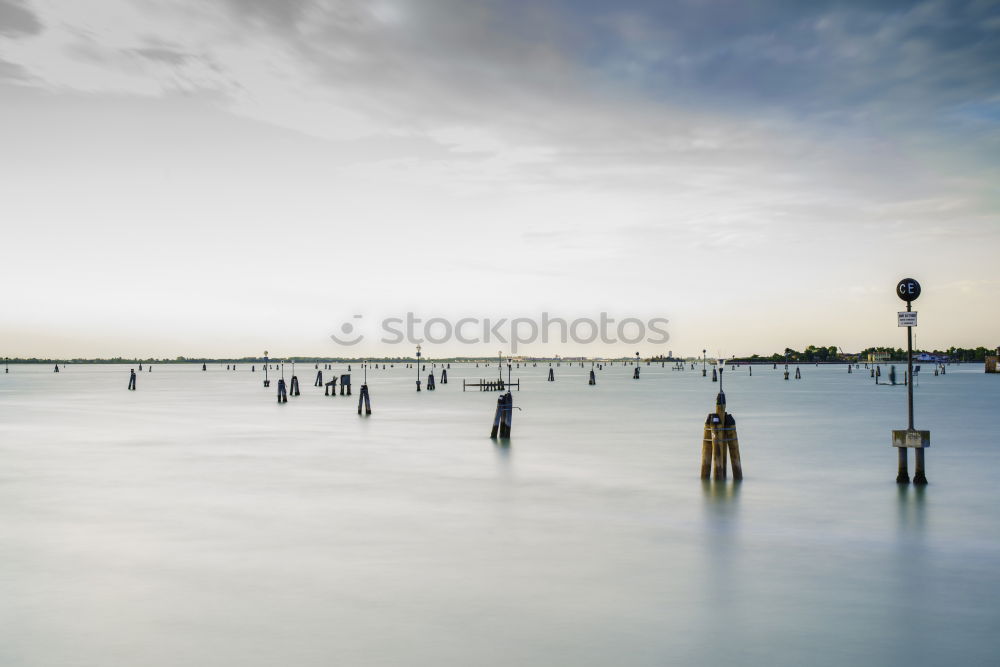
502,448
908,565
721,580
721,498
911,510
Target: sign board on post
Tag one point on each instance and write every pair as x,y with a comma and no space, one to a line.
911,438
908,289
907,318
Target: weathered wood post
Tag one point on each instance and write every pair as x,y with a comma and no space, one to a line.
363,397
552,375
345,384
295,385
131,379
319,379
635,373
715,376
363,394
330,386
203,367
444,375
430,381
706,448
593,378
503,418
798,373
267,383
718,441
282,393
508,415
497,418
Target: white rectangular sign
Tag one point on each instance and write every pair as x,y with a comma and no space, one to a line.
908,318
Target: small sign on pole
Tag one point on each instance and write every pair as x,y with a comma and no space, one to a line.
907,318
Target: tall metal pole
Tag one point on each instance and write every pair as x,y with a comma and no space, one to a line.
909,370
418,367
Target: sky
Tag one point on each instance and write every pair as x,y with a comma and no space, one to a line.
223,177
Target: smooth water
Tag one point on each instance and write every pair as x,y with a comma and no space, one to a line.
197,522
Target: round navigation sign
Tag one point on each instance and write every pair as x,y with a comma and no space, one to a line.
908,289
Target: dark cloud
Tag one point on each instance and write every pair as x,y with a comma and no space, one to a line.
17,20
162,54
281,14
813,58
12,72
833,59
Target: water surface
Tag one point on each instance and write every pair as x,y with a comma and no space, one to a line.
196,521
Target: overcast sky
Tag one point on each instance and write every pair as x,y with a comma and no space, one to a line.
220,177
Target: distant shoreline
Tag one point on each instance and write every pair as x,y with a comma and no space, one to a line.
745,361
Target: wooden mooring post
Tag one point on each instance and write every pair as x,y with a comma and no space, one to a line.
363,397
504,416
720,439
131,379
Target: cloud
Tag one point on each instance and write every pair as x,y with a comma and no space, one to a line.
12,72
16,20
162,54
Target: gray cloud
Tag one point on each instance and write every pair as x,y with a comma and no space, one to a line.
12,72
17,20
812,58
162,54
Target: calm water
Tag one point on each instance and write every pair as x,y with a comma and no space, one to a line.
197,522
